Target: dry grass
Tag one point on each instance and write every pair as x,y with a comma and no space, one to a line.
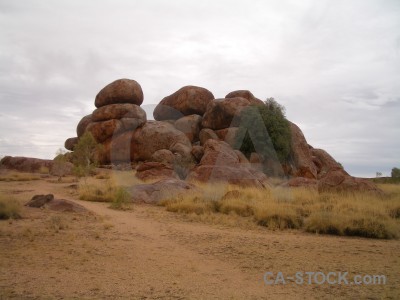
105,192
18,176
361,214
9,208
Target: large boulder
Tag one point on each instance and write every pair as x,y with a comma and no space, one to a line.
231,136
119,111
324,162
156,135
164,189
155,170
141,144
207,134
105,130
163,156
83,124
186,101
220,163
70,143
190,126
303,162
120,91
224,113
340,181
247,95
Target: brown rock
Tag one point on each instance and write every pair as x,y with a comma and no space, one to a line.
161,190
119,111
301,154
224,113
197,152
247,95
39,200
120,91
139,145
222,164
233,175
154,170
102,131
230,135
207,134
70,143
163,156
83,124
25,164
324,162
156,135
256,161
190,126
302,182
188,100
63,205
219,153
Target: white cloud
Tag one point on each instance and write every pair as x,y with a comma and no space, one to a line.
334,65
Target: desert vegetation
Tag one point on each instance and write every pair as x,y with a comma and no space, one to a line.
9,208
350,214
266,131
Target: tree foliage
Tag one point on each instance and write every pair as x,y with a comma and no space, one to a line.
396,173
84,155
266,131
60,164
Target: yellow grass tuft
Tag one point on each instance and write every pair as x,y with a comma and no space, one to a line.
9,208
358,214
18,176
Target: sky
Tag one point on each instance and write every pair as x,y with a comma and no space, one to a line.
334,65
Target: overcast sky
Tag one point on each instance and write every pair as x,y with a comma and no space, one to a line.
334,65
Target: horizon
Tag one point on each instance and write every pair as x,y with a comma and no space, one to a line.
333,66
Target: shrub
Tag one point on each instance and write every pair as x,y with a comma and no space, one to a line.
9,208
121,199
396,173
265,130
84,155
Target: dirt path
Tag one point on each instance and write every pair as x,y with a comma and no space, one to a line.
148,253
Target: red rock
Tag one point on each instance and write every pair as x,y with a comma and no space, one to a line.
70,143
206,134
25,164
197,152
83,124
230,135
188,100
119,111
190,126
104,130
247,95
303,162
154,170
163,156
164,189
120,91
224,113
325,163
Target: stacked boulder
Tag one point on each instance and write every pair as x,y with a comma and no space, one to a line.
118,110
193,137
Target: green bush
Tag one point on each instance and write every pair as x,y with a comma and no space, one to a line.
266,131
84,155
396,173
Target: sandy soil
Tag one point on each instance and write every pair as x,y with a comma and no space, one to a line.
149,253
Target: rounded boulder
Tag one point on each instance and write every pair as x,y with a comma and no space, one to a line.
120,91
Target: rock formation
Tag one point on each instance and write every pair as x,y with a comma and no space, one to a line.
195,137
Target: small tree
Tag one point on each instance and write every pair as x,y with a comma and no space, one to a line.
278,139
396,173
378,174
60,164
84,155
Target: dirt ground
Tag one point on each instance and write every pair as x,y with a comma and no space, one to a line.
149,253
